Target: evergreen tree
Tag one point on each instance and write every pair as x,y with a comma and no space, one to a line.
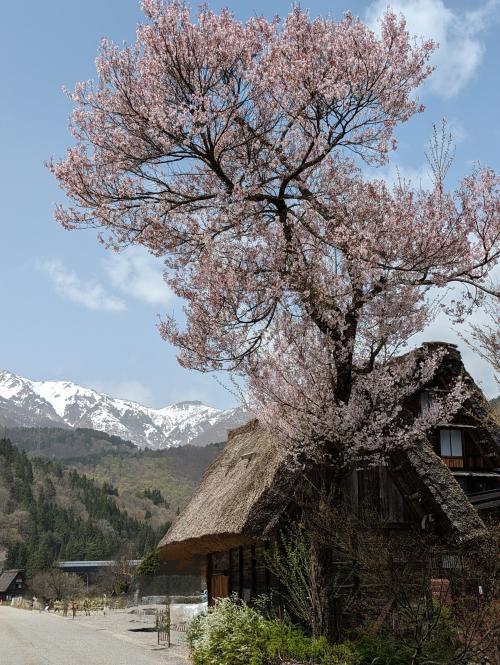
54,531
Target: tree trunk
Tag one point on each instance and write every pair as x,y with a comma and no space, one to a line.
326,617
327,609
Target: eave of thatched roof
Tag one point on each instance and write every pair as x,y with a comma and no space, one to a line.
430,487
240,498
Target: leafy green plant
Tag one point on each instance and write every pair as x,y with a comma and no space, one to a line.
229,634
386,648
289,560
233,633
382,649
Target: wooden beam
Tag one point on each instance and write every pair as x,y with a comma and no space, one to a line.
268,575
253,586
210,599
230,576
240,590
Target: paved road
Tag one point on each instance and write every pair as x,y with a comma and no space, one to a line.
31,638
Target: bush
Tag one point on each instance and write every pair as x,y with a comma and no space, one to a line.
383,649
229,634
233,633
150,565
57,585
285,642
388,649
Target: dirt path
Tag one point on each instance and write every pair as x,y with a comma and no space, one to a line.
33,638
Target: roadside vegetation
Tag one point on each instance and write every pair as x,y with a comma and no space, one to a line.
233,633
399,602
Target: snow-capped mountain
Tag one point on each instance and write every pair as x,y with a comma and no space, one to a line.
26,403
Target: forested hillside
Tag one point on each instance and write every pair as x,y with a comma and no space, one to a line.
173,473
48,512
64,443
169,476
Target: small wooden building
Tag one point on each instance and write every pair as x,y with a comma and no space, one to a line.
12,584
248,489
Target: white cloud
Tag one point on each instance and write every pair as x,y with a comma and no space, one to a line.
459,35
138,274
70,286
132,390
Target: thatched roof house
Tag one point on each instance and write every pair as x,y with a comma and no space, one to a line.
12,583
244,493
240,497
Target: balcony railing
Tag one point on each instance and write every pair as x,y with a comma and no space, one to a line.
454,462
470,462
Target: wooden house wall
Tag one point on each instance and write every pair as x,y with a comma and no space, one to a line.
372,492
369,493
241,571
15,588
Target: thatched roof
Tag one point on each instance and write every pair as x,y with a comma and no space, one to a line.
6,579
240,497
244,492
428,484
476,411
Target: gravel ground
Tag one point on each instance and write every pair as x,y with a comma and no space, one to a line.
34,638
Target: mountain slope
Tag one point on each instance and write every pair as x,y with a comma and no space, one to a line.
48,512
64,404
173,472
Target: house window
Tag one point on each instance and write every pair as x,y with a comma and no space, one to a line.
451,443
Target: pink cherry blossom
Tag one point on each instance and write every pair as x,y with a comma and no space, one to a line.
234,150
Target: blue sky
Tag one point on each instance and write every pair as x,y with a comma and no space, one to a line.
71,310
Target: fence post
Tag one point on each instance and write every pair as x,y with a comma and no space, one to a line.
163,625
168,621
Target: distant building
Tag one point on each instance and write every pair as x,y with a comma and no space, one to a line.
12,584
89,570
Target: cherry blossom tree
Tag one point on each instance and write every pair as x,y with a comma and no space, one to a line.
485,339
238,152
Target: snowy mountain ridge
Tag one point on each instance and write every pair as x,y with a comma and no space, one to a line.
27,403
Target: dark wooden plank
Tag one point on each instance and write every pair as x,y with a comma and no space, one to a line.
268,574
241,580
209,580
230,575
253,582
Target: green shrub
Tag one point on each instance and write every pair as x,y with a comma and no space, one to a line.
150,565
233,633
382,649
285,642
346,653
229,634
388,649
